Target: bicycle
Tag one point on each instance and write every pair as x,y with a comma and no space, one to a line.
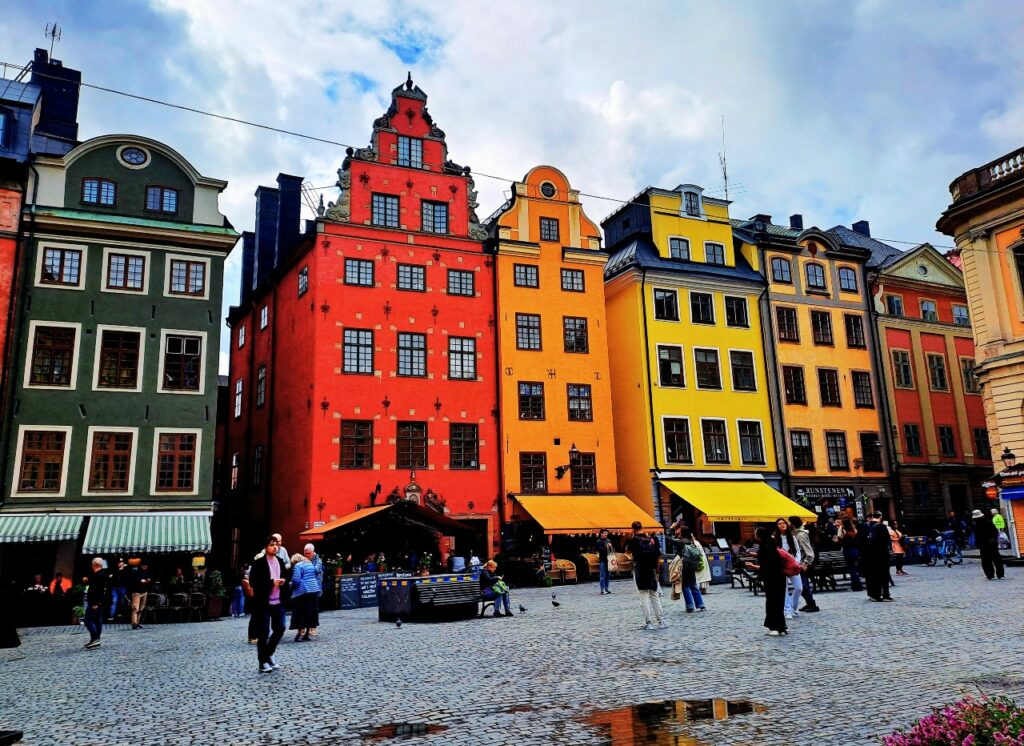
945,547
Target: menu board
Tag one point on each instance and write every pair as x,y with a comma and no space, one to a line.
348,590
368,589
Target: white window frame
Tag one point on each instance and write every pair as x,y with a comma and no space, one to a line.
682,362
721,378
75,357
16,479
93,429
967,314
100,328
703,447
664,440
732,382
239,389
689,247
195,258
41,248
241,336
679,310
725,254
146,272
764,444
264,315
714,309
164,333
157,432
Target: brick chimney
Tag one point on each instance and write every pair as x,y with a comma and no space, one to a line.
289,214
862,227
58,116
266,233
796,221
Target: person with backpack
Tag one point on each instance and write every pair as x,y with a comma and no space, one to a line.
787,542
849,538
803,541
604,549
646,559
692,557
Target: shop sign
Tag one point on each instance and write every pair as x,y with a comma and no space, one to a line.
819,494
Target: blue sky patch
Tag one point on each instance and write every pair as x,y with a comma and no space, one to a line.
411,46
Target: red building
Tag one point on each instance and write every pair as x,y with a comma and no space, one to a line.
363,364
939,435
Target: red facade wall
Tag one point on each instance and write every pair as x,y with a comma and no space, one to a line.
10,212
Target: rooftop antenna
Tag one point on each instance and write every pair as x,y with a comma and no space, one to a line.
53,33
721,160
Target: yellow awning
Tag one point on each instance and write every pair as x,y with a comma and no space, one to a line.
585,514
318,533
737,500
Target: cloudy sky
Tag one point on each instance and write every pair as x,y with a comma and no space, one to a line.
837,110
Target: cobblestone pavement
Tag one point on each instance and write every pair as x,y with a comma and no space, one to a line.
847,675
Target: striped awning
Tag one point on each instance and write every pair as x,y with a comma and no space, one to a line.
148,532
24,529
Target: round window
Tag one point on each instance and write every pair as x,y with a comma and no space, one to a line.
547,189
134,156
922,270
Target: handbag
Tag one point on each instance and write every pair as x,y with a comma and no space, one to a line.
613,564
500,587
790,567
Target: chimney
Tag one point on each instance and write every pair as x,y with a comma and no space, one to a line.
248,266
59,85
289,213
796,221
761,218
266,233
862,227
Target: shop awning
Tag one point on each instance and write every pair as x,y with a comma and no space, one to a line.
25,529
154,533
1012,493
318,533
401,511
585,514
737,500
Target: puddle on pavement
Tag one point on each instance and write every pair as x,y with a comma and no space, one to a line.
664,723
402,731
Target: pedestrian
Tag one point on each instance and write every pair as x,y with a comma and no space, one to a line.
693,560
238,594
806,546
304,595
95,595
178,582
876,558
268,577
787,542
604,549
898,550
958,527
848,538
309,551
118,590
987,536
773,580
8,624
1003,540
60,585
646,559
137,584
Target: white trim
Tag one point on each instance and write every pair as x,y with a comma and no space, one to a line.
264,316
157,432
664,442
147,258
241,335
696,378
703,447
679,314
93,429
732,380
237,397
689,248
714,311
41,248
132,245
725,254
186,258
100,328
75,356
746,309
164,333
682,363
16,477
739,442
124,164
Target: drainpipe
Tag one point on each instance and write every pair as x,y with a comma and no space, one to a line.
774,402
502,491
887,420
655,493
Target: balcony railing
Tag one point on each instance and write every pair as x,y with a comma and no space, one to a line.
991,175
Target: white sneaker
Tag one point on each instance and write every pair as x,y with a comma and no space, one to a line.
273,664
647,626
774,633
266,668
789,615
662,625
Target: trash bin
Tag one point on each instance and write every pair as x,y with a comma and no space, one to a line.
720,564
394,599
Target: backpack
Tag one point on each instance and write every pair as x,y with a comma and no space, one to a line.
646,547
790,567
693,558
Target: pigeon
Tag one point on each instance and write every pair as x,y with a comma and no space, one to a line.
522,609
398,623
555,603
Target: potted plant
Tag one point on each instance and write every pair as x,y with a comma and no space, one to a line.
215,595
78,614
334,565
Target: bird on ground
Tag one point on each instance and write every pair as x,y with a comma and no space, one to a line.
398,623
522,609
554,602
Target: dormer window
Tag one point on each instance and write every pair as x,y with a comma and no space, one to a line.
410,152
162,199
679,248
99,192
714,253
815,277
691,203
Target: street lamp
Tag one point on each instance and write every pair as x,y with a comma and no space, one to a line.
560,471
320,506
1009,457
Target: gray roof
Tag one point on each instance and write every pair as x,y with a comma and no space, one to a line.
15,92
640,252
881,253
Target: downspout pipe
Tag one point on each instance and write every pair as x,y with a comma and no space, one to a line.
887,420
502,478
655,492
775,403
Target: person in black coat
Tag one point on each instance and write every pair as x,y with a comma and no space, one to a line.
876,558
773,580
94,599
269,580
986,537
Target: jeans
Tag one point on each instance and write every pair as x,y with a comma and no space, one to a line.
270,630
238,601
116,596
650,602
500,599
602,568
691,594
852,558
807,593
94,621
793,594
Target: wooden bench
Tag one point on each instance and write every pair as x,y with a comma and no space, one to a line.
746,577
823,572
562,571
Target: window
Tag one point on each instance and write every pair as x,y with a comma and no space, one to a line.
902,372
982,449
574,330
464,446
460,282
677,440
357,356
42,461
947,443
960,316
894,305
303,281
527,331
702,308
188,278
871,451
743,378
548,229
838,458
356,444
412,445
125,272
584,472
241,336
410,151
971,385
526,275
462,358
828,386
384,210
238,398
847,279
670,366
912,439
412,354
61,267
531,400
183,358
119,359
751,443
99,192
359,272
53,356
708,374
435,217
6,119
736,312
533,472
793,382
716,442
803,452
573,280
922,495
937,373
235,467
854,331
789,331
691,204
257,466
863,398
714,253
679,248
929,311
821,327
264,313
581,406
176,462
261,386
110,461
411,277
162,199
781,271
815,277
666,305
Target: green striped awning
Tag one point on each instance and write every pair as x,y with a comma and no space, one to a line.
23,529
149,532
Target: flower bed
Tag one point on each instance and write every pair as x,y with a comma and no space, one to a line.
982,721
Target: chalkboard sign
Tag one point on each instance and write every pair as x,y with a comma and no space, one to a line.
368,589
348,588
545,553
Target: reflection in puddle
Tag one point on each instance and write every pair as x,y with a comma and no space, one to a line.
402,730
661,723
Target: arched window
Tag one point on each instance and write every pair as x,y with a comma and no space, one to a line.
847,279
815,277
781,271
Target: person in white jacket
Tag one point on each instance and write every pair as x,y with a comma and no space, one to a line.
787,542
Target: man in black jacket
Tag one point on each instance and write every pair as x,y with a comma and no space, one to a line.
268,578
986,536
877,558
94,597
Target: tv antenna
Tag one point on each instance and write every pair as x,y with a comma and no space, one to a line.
722,162
53,34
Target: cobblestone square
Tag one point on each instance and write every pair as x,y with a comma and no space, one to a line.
846,675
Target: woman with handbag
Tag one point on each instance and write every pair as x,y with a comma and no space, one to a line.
899,551
788,543
493,587
773,580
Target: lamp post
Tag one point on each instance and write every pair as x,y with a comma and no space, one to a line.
560,471
320,507
1009,457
